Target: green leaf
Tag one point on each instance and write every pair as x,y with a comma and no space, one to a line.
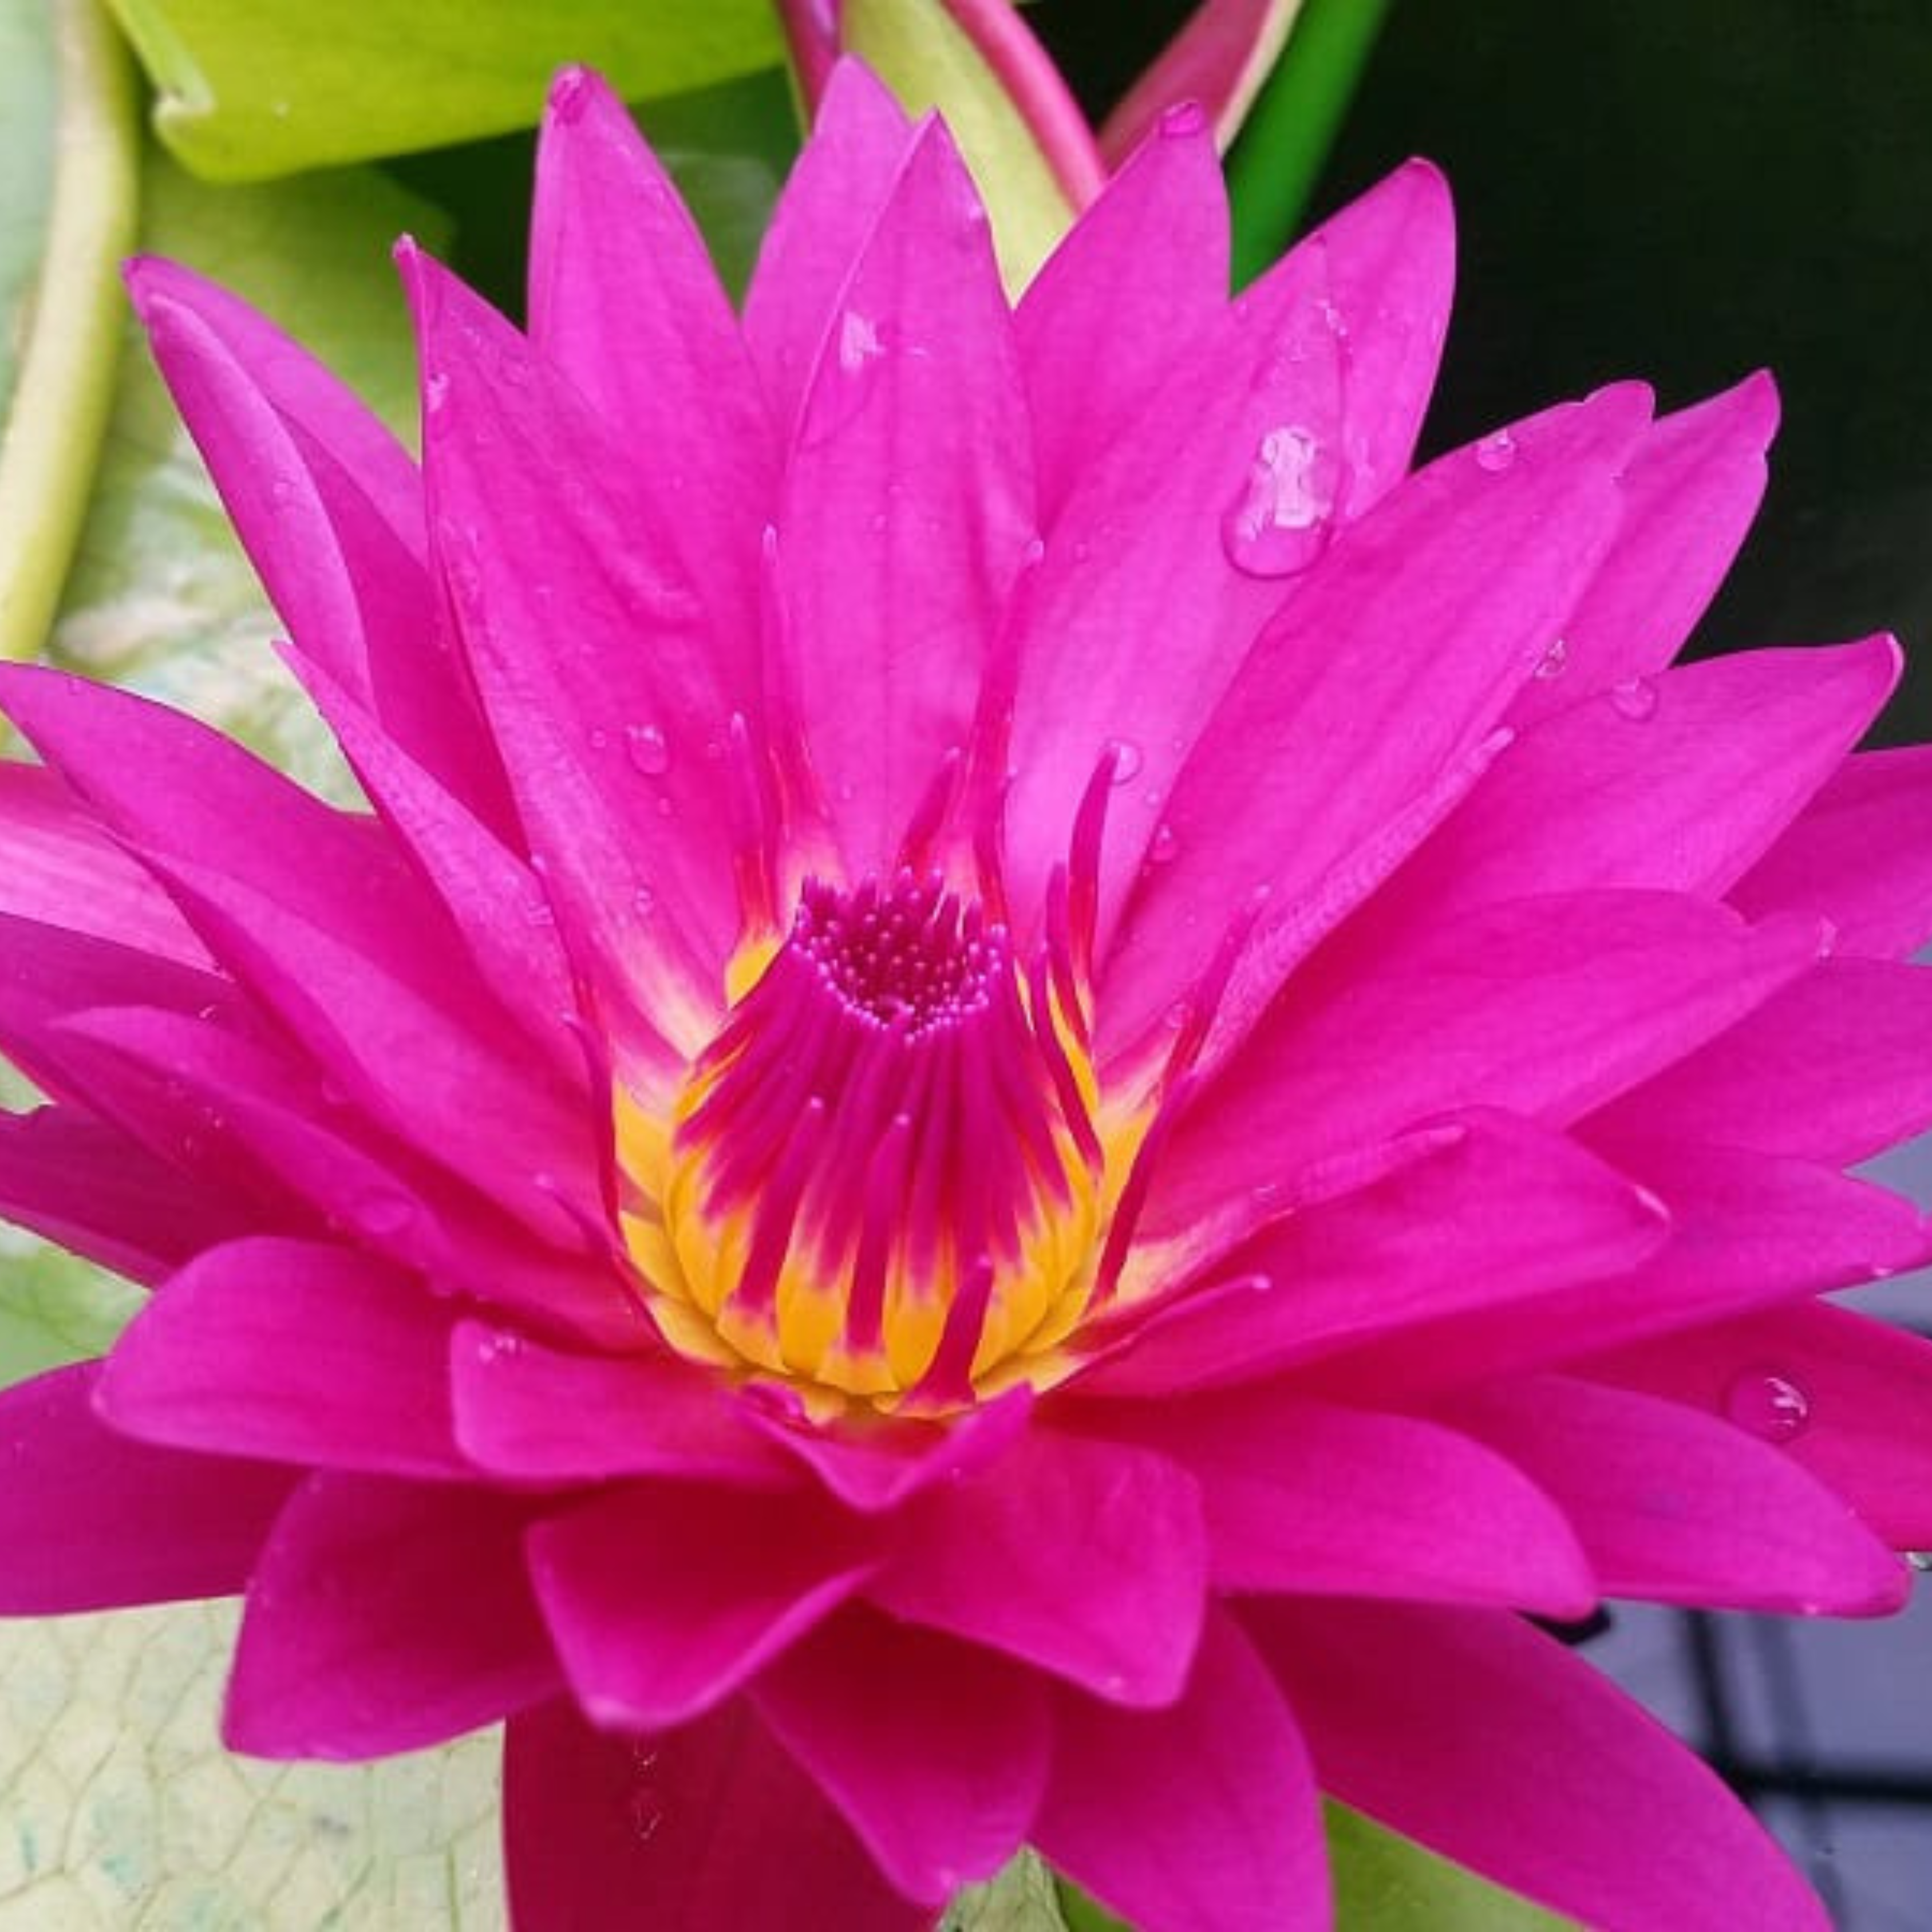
67,123
248,91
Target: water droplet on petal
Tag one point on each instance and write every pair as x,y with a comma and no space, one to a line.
1555,660
435,392
643,901
859,341
1184,120
1920,1560
1163,844
1127,758
1496,453
1769,1405
1635,698
599,739
1278,524
645,745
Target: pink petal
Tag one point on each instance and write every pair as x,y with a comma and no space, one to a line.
90,1189
665,1598
1674,1506
711,1825
1493,1745
1745,1230
90,1519
330,510
935,1752
1690,493
1092,671
1203,1817
1308,1497
1843,1395
889,602
1680,781
624,300
608,687
62,868
987,1559
1390,667
293,1351
527,1411
830,203
384,1615
1097,331
1493,1212
1831,1069
1548,1006
1861,854
875,1467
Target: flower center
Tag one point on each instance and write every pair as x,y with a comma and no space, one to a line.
883,1177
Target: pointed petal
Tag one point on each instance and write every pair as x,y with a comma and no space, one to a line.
665,1598
1307,1497
986,1559
1494,1745
935,1752
1843,1395
713,1825
89,1519
1097,329
1860,855
1391,665
890,603
1548,1006
1203,1817
623,300
1681,782
1831,1069
1675,1507
609,692
293,1351
830,201
527,1411
1690,493
384,1615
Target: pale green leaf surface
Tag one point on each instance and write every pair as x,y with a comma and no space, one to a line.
26,169
1385,1882
247,91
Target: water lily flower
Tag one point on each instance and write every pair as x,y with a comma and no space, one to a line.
1035,1092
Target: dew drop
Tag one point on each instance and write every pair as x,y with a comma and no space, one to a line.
1495,453
1555,660
1178,1016
1127,758
643,902
1635,698
1163,844
859,341
644,744
599,738
435,392
1770,1405
1183,121
1920,1560
1278,524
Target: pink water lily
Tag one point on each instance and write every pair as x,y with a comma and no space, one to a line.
1035,1087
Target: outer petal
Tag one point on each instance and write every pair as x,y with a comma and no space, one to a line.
1494,1745
1680,782
525,1411
1549,1007
889,601
383,1616
293,1351
1676,1507
624,300
1391,666
1100,324
936,1753
665,1598
832,198
609,692
712,1825
89,1519
1844,1396
1306,1497
1203,1817
987,1560
1861,854
1690,492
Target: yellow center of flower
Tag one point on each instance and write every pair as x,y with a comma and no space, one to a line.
883,1181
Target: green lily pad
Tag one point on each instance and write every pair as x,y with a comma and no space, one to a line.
247,91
